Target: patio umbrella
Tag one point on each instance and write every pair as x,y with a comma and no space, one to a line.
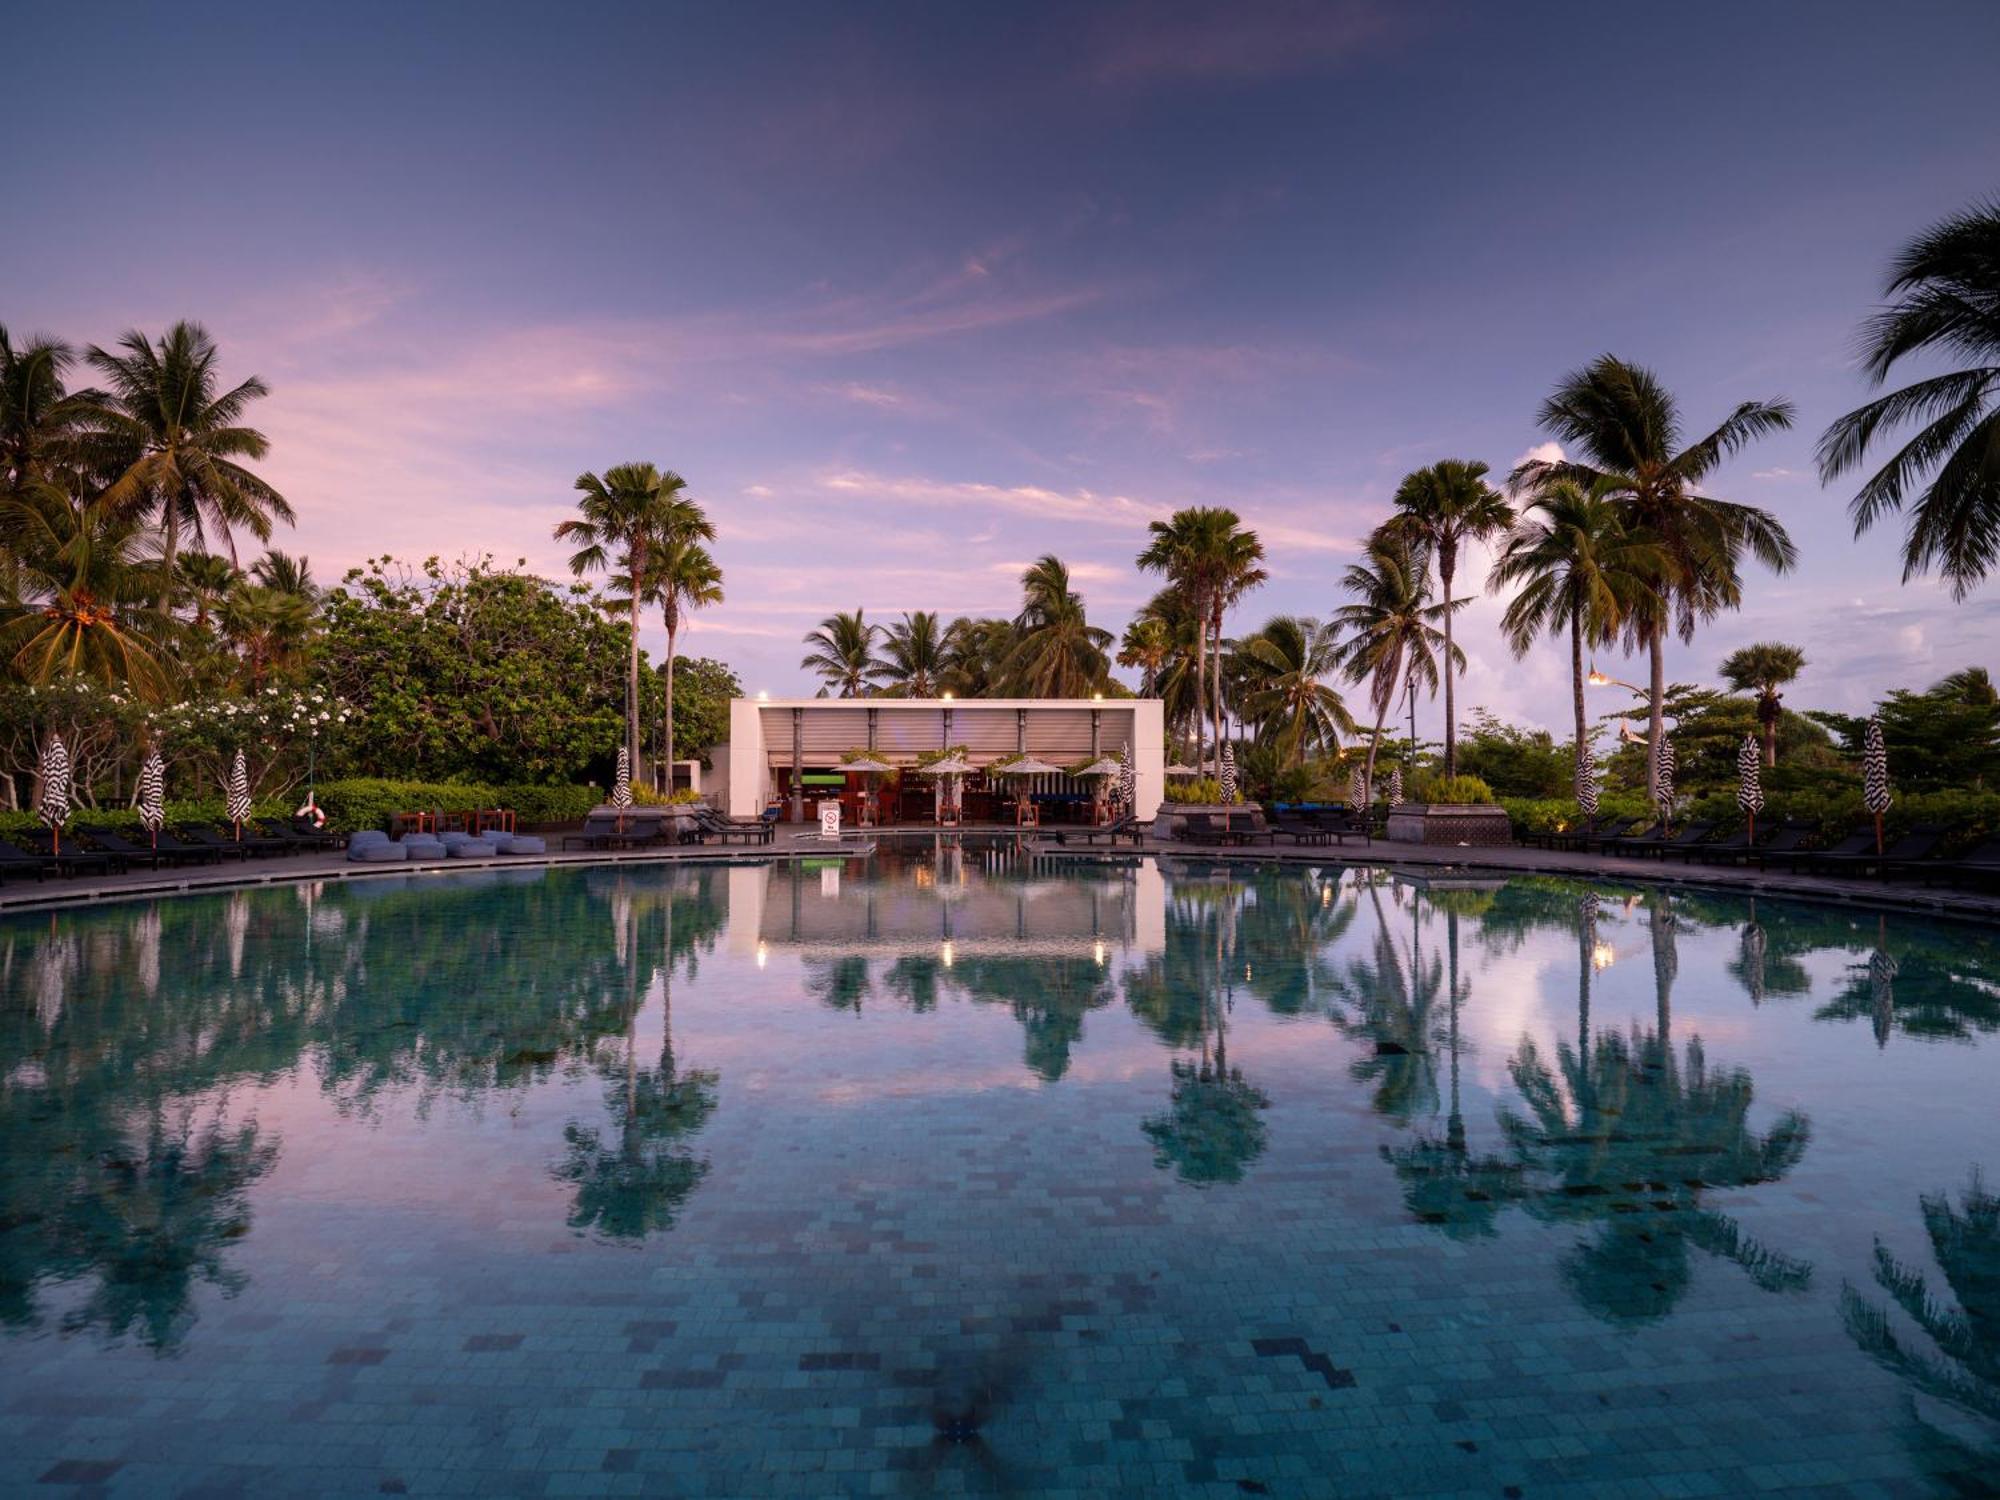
1875,777
1024,765
1128,779
1104,765
871,765
1357,787
1228,772
1396,785
954,766
621,783
1663,760
1178,769
237,803
1586,783
53,803
153,795
1749,781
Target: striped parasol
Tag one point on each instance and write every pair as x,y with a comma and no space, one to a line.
1228,772
1750,781
237,802
1663,772
1586,782
52,806
1357,787
153,795
621,784
1875,777
1396,784
1128,779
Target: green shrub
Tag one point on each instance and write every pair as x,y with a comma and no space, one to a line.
124,820
1428,786
370,802
1834,810
1194,789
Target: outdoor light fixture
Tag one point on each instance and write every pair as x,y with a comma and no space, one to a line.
947,697
762,696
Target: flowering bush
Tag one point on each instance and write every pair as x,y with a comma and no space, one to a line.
279,731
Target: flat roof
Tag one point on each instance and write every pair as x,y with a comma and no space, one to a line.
879,702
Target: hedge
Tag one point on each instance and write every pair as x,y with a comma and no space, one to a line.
370,802
1967,817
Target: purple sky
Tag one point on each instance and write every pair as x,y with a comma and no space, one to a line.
913,293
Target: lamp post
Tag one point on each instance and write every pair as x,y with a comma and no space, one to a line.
1597,679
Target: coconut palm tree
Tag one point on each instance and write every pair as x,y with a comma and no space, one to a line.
1439,510
1170,622
86,583
1945,286
177,442
1284,668
1391,631
41,419
202,581
1577,572
1763,669
843,655
624,517
1208,558
1242,555
914,659
975,651
1627,426
268,626
1057,653
287,574
1146,645
681,577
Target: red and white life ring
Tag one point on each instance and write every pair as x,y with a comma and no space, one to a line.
312,812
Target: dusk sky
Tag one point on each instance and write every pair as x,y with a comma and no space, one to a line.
913,293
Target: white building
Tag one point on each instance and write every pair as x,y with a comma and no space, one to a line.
787,752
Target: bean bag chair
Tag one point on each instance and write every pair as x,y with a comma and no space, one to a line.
469,848
519,843
375,852
423,846
366,837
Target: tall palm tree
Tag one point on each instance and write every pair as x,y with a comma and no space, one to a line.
1390,631
1577,571
202,581
1242,556
914,659
681,577
1627,427
178,443
269,627
1284,668
1146,645
843,655
41,419
1057,653
86,583
622,519
1763,669
975,652
287,574
1204,553
1169,624
1946,290
1439,510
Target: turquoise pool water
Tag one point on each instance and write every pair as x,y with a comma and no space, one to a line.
954,1171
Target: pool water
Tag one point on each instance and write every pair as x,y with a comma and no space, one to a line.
956,1170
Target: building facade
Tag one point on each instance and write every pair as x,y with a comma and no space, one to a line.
788,752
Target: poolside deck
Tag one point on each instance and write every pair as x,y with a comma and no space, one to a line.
801,841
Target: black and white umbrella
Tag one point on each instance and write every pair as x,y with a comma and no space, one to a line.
1875,777
1396,785
1663,772
153,795
1586,783
1750,781
238,801
1228,772
52,806
1357,787
1128,778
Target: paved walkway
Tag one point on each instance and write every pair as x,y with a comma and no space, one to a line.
801,842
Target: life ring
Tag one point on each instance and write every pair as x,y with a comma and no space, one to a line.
312,812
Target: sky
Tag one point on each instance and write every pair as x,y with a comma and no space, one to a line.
914,293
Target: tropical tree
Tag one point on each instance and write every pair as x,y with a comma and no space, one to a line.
1147,645
41,419
85,583
1627,427
177,443
681,577
287,574
1057,652
269,628
1945,286
1168,631
1439,510
843,655
202,581
1209,559
1763,669
1242,556
624,517
1391,630
915,662
1283,670
1576,571
974,655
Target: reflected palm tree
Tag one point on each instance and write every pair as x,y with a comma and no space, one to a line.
1961,1365
1049,997
1924,986
842,982
1391,1008
916,979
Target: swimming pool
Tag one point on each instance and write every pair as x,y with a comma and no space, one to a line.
952,1169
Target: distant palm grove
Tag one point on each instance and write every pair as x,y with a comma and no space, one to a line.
131,618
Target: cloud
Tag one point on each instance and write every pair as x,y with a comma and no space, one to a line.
1778,473
1157,44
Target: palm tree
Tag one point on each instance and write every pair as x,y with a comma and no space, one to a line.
1208,558
1170,625
1284,668
177,442
287,574
1146,645
974,654
269,627
1946,286
41,419
85,584
1763,669
1390,630
914,660
843,655
203,580
681,577
1242,556
1057,653
1627,426
631,511
1575,566
1972,686
1438,510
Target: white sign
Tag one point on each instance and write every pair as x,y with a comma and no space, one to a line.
829,819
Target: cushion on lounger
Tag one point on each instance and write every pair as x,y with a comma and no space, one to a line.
382,853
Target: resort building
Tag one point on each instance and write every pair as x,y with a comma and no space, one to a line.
794,753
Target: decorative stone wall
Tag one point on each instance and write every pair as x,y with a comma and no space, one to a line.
1479,825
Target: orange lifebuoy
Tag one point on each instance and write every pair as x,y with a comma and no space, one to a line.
312,812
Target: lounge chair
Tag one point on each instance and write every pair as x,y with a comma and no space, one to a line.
1633,841
1589,840
1341,823
602,830
707,821
1917,844
1692,836
1779,838
71,858
132,852
306,836
1250,828
1978,866
250,843
1201,828
15,861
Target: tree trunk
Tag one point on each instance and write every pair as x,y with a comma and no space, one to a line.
632,688
1216,667
1576,679
667,735
1200,689
1375,744
1767,727
1447,565
169,553
1656,714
